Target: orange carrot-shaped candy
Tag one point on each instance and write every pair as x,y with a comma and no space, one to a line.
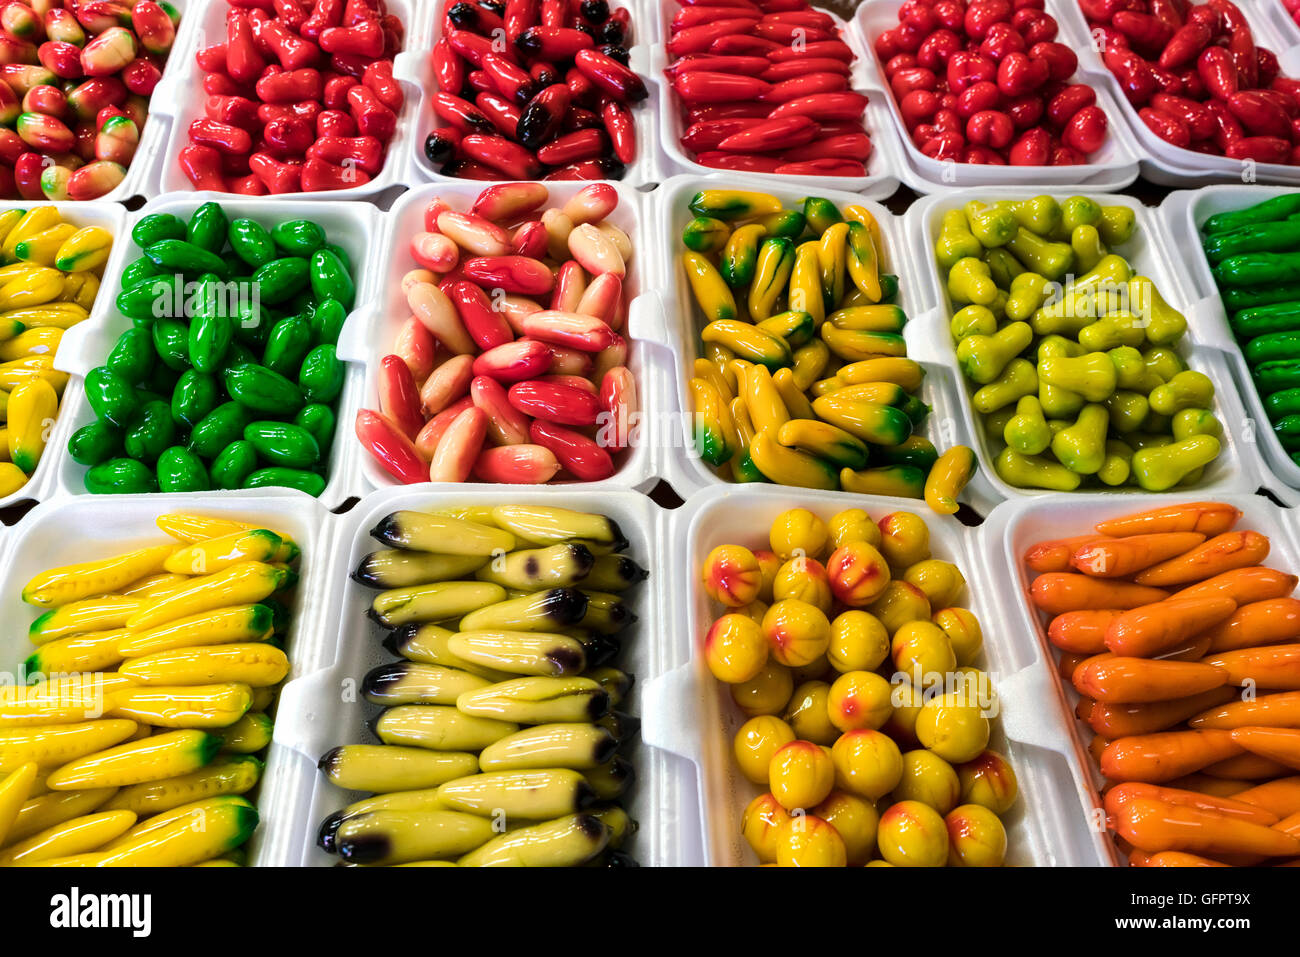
1156,826
1152,629
1208,518
1059,592
1097,746
1282,796
1122,720
1121,557
1259,623
1120,794
1281,710
1247,767
1193,649
1271,667
1069,664
1244,585
1082,632
1121,680
1220,554
1173,859
1156,758
1277,744
1204,784
1289,825
1054,556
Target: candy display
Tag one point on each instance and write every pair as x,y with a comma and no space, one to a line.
804,377
1198,78
77,79
51,279
134,738
504,734
228,377
1293,9
529,90
766,87
1181,646
868,719
1070,355
300,98
988,82
511,367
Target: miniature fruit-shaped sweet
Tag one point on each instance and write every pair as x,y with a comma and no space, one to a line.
904,539
867,763
732,575
963,631
755,743
942,582
808,713
953,727
761,824
767,692
921,651
989,780
798,532
798,632
856,821
804,579
912,834
976,838
859,642
805,840
859,699
853,525
735,649
858,573
801,775
929,779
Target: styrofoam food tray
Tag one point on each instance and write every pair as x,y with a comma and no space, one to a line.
1163,162
680,334
183,102
319,712
691,714
1287,29
371,335
414,68
1237,468
111,216
1112,167
351,225
881,179
1012,528
1184,212
83,529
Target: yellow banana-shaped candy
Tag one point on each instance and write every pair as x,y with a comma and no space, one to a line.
149,759
806,282
14,789
78,836
251,733
54,807
53,745
32,408
8,220
41,248
715,431
38,286
88,614
711,293
184,706
187,835
12,478
37,341
766,410
76,654
215,554
54,315
238,623
257,665
244,582
84,249
790,466
35,220
235,774
59,586
832,260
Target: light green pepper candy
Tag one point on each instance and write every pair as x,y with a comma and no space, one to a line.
1042,214
1027,431
1186,390
1116,225
1112,331
1163,363
1034,471
982,358
1165,324
973,320
1082,446
1088,247
999,306
1091,376
995,423
820,214
1027,292
955,241
1161,468
1131,370
1128,410
1003,267
1148,440
1191,422
1079,211
1118,465
993,226
1055,400
969,280
1017,379
1040,255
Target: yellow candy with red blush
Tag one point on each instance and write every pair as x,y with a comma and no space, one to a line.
756,609
858,573
920,647
755,743
761,824
989,780
767,692
929,779
808,713
732,575
805,840
912,834
859,642
976,838
859,699
953,727
770,563
904,539
898,604
797,632
798,532
804,579
942,582
801,774
853,525
867,763
963,631
735,648
856,821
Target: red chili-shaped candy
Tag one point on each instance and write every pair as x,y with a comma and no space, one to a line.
399,399
383,439
515,361
554,402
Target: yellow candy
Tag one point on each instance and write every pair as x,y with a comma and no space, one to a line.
801,775
735,649
757,740
798,632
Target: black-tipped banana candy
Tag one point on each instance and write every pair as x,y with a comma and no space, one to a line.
530,569
428,644
544,525
393,837
606,613
533,795
379,767
621,824
538,611
577,746
612,780
521,652
425,532
616,683
537,700
396,568
599,648
614,573
424,799
409,682
439,728
438,601
621,725
566,842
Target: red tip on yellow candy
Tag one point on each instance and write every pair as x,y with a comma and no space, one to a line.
732,575
858,573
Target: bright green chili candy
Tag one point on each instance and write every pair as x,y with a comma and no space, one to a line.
171,340
181,256
120,476
321,375
110,396
208,227
251,242
156,227
132,356
283,443
281,279
299,237
151,431
138,271
262,390
290,341
219,428
195,395
330,278
234,464
319,420
180,470
95,443
327,321
304,481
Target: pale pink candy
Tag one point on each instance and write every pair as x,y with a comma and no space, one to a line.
570,287
602,299
515,361
459,447
570,329
432,307
507,201
514,308
426,442
558,226
417,347
435,251
415,277
435,209
446,384
611,358
566,361
474,233
592,203
596,251
506,424
620,239
617,402
517,464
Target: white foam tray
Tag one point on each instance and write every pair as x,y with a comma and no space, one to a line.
1163,162
690,714
353,226
413,67
1112,167
678,336
82,529
1183,213
1283,25
1013,527
881,180
111,216
318,713
180,97
1238,467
